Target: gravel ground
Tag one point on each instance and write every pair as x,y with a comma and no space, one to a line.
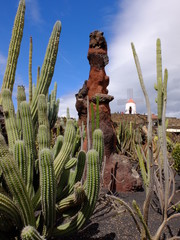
105,224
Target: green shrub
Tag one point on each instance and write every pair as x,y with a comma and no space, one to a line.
176,157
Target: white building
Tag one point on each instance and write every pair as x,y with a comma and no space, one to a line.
130,107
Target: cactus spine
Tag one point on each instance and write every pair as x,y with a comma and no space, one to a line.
47,68
14,48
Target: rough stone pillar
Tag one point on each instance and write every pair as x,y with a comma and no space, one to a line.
95,86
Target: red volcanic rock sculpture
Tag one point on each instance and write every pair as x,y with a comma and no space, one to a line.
97,86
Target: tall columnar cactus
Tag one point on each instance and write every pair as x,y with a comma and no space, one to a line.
14,48
47,69
30,70
9,116
48,189
15,183
29,141
161,88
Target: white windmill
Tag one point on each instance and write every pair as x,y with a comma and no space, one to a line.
130,104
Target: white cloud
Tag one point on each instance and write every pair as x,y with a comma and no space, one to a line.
34,11
142,22
68,101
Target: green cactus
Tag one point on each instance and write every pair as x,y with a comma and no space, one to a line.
66,149
15,183
43,137
53,106
72,200
92,192
9,209
9,117
30,70
47,69
98,144
42,113
21,96
38,75
57,146
97,112
48,189
29,141
14,49
20,158
30,233
76,176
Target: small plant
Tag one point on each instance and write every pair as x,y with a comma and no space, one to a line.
176,157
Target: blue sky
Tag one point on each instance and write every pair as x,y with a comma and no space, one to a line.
123,22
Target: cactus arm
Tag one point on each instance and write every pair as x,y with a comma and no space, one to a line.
72,200
159,79
10,120
15,183
77,175
29,141
97,112
47,69
42,112
71,163
14,48
38,75
92,118
9,209
98,144
48,188
43,137
21,96
30,233
92,192
66,149
30,70
20,158
58,145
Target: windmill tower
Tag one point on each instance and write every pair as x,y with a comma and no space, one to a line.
129,103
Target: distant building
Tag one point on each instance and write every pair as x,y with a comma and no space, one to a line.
130,107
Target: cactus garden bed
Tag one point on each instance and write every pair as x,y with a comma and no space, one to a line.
105,224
